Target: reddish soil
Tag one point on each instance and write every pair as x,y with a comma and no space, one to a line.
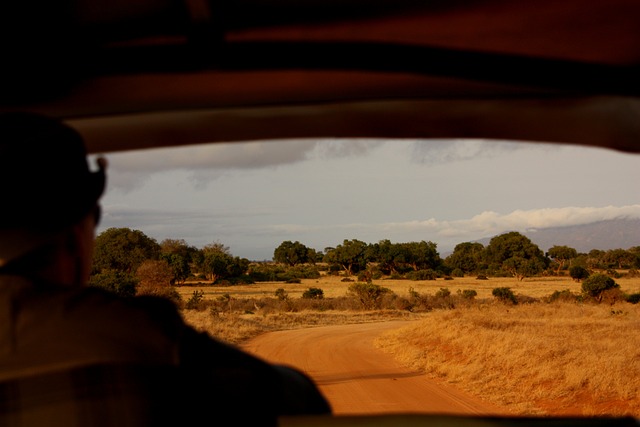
359,379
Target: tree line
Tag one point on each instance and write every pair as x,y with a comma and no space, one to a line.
126,259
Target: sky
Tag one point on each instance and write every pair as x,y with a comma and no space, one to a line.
252,196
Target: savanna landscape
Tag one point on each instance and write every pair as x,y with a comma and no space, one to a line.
537,357
527,332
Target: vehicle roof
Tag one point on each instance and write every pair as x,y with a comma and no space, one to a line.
132,74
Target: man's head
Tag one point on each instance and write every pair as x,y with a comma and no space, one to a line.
46,185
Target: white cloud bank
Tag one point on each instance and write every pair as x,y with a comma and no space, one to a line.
485,224
491,223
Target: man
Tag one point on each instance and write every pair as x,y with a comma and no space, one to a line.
76,355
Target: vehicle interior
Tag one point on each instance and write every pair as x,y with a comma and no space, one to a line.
138,74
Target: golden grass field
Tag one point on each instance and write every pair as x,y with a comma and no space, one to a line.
561,358
536,287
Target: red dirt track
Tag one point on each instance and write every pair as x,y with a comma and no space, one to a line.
359,379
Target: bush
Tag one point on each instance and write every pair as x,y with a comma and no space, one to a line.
633,298
633,273
265,272
196,300
505,295
119,283
563,296
167,292
369,295
578,273
443,293
613,273
596,284
457,272
422,275
467,294
281,294
313,293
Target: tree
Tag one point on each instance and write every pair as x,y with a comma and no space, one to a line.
154,273
389,256
596,284
155,278
218,263
293,253
516,254
561,255
619,258
180,257
466,256
635,251
351,255
422,255
118,282
215,264
578,273
123,249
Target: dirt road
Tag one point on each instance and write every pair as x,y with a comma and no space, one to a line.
359,379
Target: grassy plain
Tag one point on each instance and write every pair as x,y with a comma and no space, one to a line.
560,358
333,286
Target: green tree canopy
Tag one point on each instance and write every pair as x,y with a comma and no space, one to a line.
619,258
466,256
123,249
421,255
596,284
293,253
389,256
516,254
351,255
218,263
180,256
561,255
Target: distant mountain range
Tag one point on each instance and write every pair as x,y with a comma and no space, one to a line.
603,235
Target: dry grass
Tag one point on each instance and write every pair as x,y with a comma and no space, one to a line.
561,358
333,287
539,358
237,328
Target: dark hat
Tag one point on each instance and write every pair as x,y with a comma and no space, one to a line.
45,179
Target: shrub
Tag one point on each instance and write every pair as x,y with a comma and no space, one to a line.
596,284
633,298
313,293
369,294
118,282
613,273
633,273
505,295
167,292
467,294
422,275
563,296
443,293
457,272
281,294
578,273
195,302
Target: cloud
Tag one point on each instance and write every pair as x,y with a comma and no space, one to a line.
438,151
489,222
485,224
206,162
